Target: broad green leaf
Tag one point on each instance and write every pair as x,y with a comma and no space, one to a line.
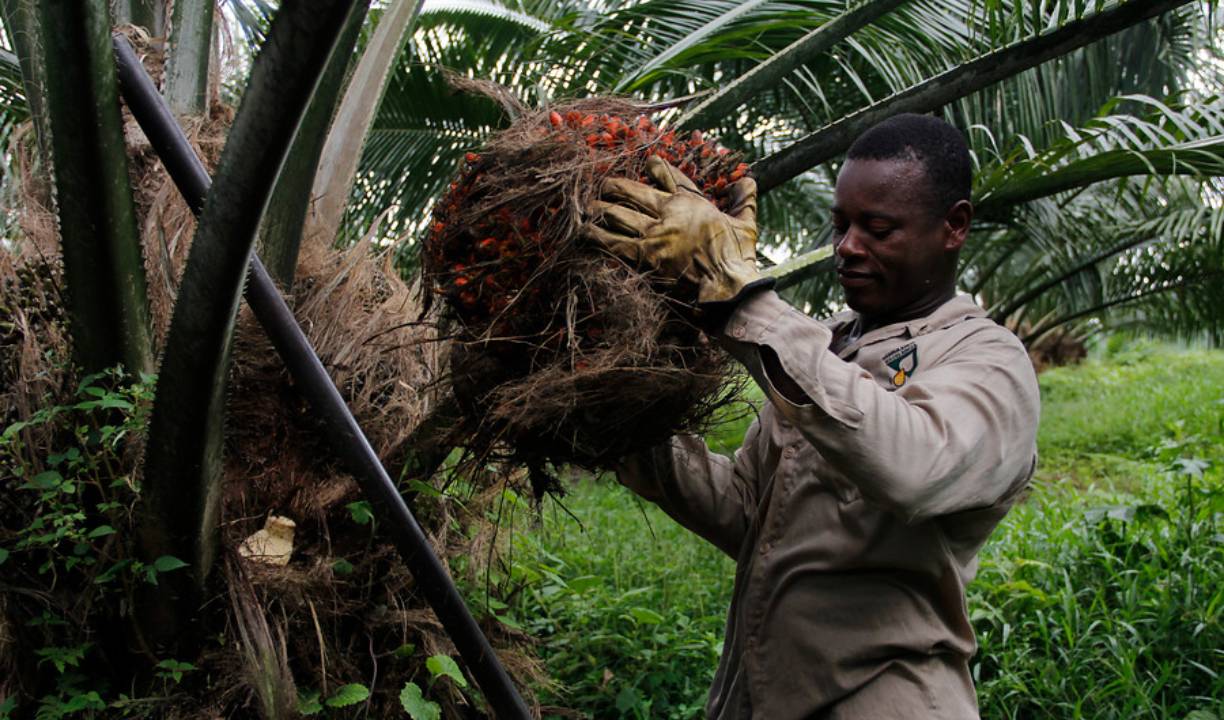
415,704
445,665
645,615
361,512
350,694
584,583
166,563
47,480
308,703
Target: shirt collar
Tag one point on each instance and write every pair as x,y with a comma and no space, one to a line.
955,310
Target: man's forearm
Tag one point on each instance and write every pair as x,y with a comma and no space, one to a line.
707,493
783,383
959,436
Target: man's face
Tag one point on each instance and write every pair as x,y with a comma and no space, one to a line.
894,251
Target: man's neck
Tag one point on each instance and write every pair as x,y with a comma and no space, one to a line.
919,309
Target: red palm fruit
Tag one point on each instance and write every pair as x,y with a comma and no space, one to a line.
554,117
592,140
588,121
468,298
438,227
607,139
720,183
573,118
471,157
461,281
488,246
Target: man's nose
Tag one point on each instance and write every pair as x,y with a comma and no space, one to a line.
850,246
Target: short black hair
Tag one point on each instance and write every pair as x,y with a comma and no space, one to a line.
939,147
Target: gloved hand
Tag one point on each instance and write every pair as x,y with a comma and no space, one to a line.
680,233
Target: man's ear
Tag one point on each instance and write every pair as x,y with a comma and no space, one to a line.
956,225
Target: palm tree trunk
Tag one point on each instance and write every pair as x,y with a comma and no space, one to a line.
148,14
190,42
182,468
280,236
75,97
21,20
337,166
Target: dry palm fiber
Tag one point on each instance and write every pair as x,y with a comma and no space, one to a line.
563,353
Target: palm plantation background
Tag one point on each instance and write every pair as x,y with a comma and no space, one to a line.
1099,203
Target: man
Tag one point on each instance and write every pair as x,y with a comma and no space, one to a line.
896,436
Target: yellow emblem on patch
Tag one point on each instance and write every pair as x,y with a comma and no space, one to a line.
904,361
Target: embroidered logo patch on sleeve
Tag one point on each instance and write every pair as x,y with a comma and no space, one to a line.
903,361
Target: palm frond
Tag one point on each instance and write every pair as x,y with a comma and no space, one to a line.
340,157
1167,141
423,127
953,85
780,64
182,464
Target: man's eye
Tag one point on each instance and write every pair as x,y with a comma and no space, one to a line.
879,231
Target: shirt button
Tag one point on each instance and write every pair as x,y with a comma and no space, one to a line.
739,331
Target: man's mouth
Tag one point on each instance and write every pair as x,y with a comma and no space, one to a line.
855,278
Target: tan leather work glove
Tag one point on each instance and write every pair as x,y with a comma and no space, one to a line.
680,233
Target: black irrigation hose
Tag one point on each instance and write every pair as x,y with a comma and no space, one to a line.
312,380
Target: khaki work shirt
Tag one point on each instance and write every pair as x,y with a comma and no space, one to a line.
856,520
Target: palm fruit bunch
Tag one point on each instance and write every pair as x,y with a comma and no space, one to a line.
561,345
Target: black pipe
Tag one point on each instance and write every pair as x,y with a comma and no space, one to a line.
312,380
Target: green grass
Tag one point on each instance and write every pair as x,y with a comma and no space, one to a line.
1100,597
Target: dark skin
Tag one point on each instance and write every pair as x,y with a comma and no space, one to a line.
896,254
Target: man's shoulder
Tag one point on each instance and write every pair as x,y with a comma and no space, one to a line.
966,332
